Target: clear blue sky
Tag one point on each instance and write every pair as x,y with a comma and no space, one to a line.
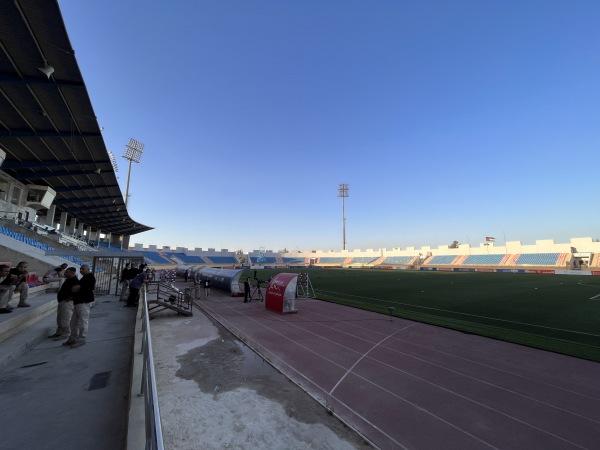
450,120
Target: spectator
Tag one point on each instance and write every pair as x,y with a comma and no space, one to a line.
18,283
82,303
4,289
64,312
124,282
55,274
134,289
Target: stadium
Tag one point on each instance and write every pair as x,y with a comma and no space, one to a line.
451,346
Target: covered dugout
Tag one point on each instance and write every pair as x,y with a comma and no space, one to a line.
227,280
181,269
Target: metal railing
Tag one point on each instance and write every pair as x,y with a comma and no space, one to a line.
154,438
167,293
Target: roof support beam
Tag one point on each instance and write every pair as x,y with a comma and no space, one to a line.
70,201
32,81
31,164
84,187
24,133
56,173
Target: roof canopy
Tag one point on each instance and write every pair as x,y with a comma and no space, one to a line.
48,128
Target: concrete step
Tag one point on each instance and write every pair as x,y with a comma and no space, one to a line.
25,327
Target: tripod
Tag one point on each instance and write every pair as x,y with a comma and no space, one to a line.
255,291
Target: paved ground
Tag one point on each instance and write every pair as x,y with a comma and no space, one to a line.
400,383
410,385
216,393
49,397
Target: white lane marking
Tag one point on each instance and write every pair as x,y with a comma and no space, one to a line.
570,391
365,354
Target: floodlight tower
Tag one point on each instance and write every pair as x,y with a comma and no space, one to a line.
133,153
343,191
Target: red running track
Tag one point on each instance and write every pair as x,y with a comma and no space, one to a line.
407,385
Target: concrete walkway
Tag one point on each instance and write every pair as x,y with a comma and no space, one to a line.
56,397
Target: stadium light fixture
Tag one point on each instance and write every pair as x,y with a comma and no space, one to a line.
344,192
47,70
133,153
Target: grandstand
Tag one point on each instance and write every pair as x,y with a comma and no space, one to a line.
465,257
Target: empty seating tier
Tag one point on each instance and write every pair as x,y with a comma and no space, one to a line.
364,259
537,259
484,260
294,260
442,259
397,260
222,259
331,260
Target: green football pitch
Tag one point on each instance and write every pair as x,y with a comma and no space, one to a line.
559,313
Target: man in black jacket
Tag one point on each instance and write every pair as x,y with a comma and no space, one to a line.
124,283
82,303
64,311
247,290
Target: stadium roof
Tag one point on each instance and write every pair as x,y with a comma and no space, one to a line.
48,128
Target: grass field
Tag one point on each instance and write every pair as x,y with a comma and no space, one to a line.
551,312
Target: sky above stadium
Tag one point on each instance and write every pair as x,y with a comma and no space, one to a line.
450,120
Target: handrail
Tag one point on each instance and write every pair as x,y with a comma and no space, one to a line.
154,438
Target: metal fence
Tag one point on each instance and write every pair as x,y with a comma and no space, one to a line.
154,439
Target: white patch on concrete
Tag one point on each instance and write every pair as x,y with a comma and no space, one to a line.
238,419
182,349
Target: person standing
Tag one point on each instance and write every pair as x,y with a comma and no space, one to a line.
124,280
206,287
134,289
246,289
82,303
64,311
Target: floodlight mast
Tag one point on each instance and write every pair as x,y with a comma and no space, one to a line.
343,191
133,153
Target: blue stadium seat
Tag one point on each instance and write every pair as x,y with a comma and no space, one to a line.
364,259
397,260
484,260
442,259
537,259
